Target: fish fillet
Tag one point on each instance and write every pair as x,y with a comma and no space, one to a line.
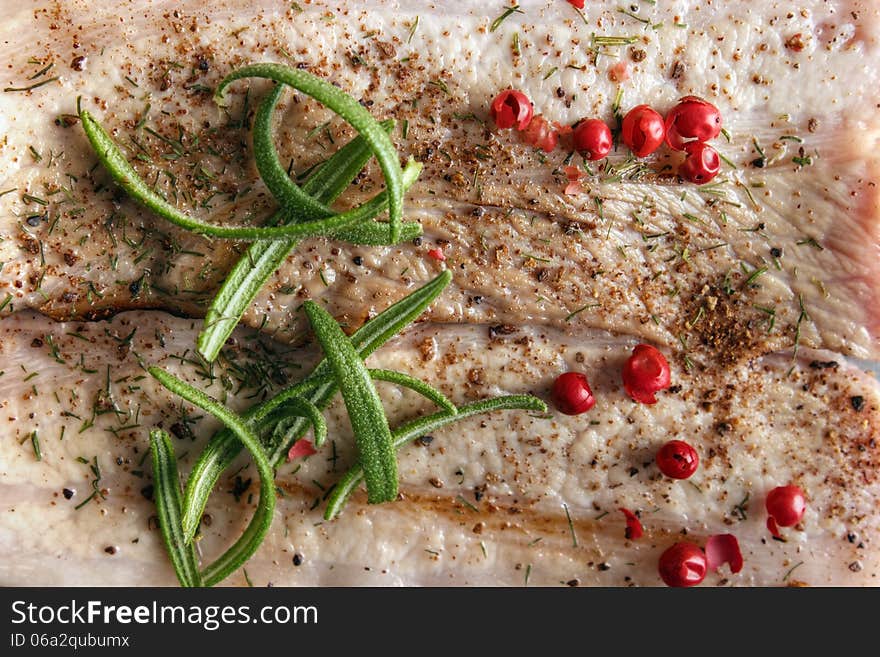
483,502
635,253
762,288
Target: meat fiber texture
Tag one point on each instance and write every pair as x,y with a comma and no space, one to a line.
761,287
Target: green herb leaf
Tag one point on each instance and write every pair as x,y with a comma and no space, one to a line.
256,530
365,411
419,386
350,110
126,177
166,492
421,426
224,446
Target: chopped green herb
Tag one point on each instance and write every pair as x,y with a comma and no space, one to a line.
27,198
42,71
35,443
697,318
726,160
440,84
754,276
575,313
791,570
810,241
613,40
741,508
628,13
771,316
574,540
33,86
466,503
507,12
797,332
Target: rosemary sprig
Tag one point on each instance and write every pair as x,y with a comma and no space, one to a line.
166,492
261,260
424,425
371,431
258,527
126,177
224,446
343,369
417,385
351,111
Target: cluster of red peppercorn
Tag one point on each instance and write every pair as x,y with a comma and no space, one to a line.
686,128
513,109
686,563
645,373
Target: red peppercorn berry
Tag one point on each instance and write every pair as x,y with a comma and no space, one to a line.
633,531
786,505
701,164
592,139
677,459
437,254
693,119
572,394
723,549
511,109
541,134
645,372
642,130
300,449
683,564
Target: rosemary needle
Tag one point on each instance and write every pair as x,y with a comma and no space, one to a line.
421,426
256,530
127,178
166,492
350,110
224,446
365,411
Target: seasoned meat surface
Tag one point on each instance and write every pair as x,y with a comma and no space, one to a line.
793,240
760,287
481,500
